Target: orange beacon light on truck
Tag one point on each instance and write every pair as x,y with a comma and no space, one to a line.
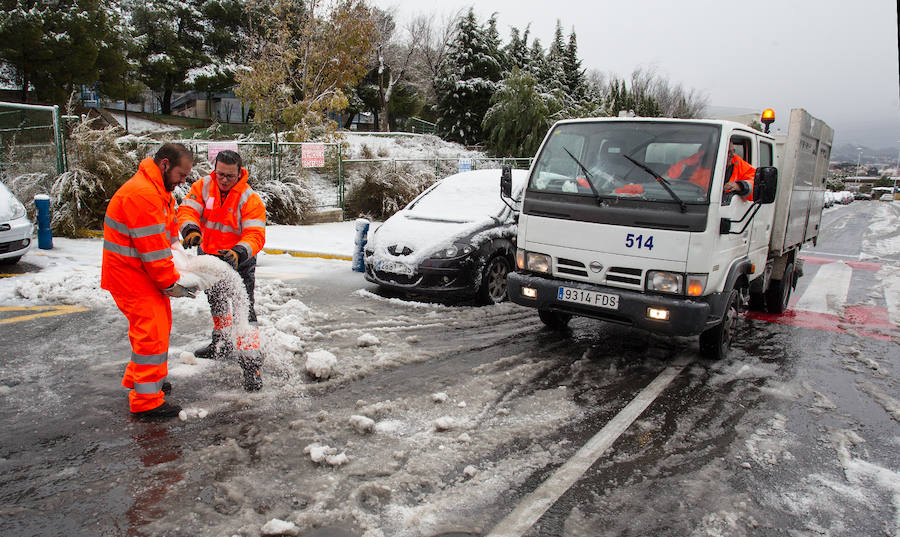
768,117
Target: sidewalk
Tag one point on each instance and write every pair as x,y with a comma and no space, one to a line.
328,241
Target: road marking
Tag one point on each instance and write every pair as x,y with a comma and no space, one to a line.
827,292
828,254
53,311
534,505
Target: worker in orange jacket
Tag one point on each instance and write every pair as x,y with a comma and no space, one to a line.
696,170
139,272
223,216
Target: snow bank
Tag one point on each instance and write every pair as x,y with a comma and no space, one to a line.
320,364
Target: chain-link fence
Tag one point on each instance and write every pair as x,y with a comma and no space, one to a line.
32,140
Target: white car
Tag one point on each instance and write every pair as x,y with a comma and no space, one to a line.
887,197
15,228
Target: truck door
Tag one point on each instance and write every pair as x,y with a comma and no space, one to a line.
733,207
762,222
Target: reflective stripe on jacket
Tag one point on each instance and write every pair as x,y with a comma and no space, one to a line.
237,220
138,231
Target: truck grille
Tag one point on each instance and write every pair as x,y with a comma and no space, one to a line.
630,276
568,266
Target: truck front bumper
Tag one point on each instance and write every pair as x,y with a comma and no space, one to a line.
687,317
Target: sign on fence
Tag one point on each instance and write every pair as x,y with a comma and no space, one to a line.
465,165
214,149
312,155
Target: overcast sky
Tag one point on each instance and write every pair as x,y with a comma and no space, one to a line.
835,58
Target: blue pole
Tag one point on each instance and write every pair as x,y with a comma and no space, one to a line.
362,233
45,235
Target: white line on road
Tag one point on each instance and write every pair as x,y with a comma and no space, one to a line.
829,254
827,292
534,505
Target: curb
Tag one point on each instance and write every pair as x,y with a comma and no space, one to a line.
303,253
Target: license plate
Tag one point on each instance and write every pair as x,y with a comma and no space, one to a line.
590,298
394,267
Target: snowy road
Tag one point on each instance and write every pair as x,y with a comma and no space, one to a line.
451,416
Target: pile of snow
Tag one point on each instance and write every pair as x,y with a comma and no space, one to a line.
323,454
320,364
405,146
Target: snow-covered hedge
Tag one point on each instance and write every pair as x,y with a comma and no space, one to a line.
379,191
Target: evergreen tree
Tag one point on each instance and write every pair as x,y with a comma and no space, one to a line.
574,74
468,81
521,114
553,75
171,37
516,51
56,46
536,63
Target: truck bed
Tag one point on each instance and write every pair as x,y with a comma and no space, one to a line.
802,158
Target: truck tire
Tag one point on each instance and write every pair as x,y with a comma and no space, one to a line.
778,295
715,342
757,301
493,288
554,319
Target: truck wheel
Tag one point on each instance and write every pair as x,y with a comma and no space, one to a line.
757,301
715,342
779,293
493,281
554,319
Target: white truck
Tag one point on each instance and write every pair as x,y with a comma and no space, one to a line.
606,231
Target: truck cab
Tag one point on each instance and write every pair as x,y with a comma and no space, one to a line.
627,220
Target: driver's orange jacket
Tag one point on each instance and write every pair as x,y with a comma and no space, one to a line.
234,221
690,169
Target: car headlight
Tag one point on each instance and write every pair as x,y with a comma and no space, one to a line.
454,250
18,210
664,282
537,262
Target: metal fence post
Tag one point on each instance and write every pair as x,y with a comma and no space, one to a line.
340,178
60,162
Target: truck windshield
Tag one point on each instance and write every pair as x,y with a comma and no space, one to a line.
682,154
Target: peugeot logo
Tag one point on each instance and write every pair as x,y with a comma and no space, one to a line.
596,266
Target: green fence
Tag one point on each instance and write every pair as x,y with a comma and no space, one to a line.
32,139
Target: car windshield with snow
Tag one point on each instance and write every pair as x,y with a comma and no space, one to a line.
455,239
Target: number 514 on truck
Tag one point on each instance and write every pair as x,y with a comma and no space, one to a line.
633,221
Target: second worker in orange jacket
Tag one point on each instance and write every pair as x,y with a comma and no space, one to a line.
226,218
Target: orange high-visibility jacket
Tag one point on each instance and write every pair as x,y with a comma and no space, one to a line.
741,171
138,231
236,222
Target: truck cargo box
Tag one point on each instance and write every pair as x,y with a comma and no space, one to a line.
802,158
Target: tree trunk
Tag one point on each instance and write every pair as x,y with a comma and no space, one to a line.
167,101
25,83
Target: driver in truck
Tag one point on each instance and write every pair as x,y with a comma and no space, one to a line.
696,169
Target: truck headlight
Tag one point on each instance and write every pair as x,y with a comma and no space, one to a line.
665,282
537,262
696,284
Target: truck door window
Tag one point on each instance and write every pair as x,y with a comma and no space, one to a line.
765,154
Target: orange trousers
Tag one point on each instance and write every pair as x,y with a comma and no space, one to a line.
149,324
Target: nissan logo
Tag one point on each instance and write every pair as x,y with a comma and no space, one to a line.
596,266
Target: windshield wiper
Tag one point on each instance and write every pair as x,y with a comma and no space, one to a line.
661,180
588,177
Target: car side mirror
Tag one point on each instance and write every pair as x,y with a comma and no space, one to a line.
506,182
765,185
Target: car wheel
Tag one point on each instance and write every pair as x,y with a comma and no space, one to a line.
554,319
10,260
715,342
493,280
779,293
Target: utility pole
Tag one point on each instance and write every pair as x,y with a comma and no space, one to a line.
858,159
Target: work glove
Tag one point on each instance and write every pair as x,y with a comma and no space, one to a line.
231,257
191,240
177,290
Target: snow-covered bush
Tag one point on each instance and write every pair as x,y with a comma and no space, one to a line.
288,200
102,161
379,191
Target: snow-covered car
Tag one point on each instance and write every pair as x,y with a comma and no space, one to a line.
15,228
455,239
887,197
829,199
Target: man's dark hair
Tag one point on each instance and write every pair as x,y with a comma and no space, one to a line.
174,153
229,157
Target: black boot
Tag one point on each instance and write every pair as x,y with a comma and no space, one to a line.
207,353
162,412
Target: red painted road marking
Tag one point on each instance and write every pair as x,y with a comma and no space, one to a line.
861,319
861,265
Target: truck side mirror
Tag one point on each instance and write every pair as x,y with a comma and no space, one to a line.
765,185
506,182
